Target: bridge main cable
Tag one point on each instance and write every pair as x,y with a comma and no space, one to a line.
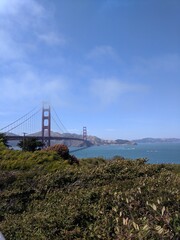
59,120
20,119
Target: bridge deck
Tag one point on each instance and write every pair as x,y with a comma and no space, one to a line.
45,138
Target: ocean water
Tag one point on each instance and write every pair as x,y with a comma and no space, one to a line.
154,152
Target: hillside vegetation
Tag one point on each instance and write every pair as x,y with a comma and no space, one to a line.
43,196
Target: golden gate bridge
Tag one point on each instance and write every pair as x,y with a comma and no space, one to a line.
26,124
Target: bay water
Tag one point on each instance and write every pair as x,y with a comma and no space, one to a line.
154,152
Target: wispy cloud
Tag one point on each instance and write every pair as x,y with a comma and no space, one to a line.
22,27
29,87
108,90
21,15
16,6
103,51
51,38
9,49
16,18
157,64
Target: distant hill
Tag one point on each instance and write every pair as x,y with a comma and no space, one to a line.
121,141
74,143
92,139
157,140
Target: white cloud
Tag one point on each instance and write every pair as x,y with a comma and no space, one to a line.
157,64
9,49
102,51
108,90
23,24
14,7
17,19
29,86
51,38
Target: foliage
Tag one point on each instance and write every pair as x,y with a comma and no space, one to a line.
63,151
43,197
30,144
4,139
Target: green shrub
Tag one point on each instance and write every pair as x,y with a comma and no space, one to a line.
61,149
44,197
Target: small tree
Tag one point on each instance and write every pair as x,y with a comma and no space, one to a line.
30,144
4,139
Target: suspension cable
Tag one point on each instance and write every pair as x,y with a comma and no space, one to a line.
60,120
56,123
23,121
18,119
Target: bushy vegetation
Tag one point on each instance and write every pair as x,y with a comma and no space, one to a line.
63,151
4,140
30,144
45,197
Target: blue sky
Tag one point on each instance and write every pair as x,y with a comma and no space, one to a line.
110,65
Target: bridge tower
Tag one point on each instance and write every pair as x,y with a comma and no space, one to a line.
85,133
46,124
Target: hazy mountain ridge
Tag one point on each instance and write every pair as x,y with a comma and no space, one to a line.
93,140
157,140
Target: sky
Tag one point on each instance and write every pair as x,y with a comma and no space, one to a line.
110,65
